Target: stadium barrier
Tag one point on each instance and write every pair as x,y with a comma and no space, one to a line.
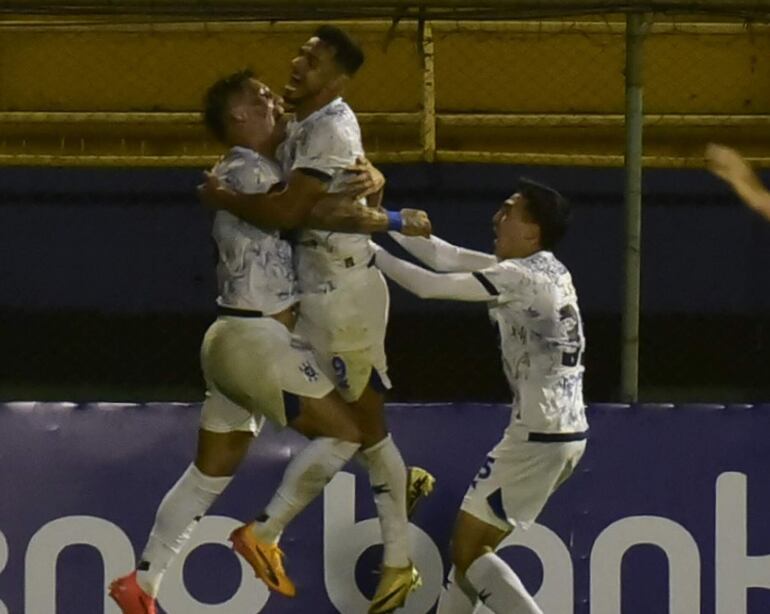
656,520
513,88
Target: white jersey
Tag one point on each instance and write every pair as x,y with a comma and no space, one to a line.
542,343
254,267
325,143
534,305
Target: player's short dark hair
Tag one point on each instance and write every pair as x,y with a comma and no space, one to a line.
347,54
217,97
550,210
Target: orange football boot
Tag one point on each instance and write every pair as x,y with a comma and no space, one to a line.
265,559
127,593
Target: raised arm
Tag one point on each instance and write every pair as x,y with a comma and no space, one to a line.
442,256
729,165
304,202
346,214
285,209
426,284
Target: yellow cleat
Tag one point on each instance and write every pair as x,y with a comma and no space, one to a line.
265,559
419,484
395,585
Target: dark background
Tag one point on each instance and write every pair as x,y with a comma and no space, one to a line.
107,285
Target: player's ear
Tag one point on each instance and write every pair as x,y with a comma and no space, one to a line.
531,231
536,233
238,113
340,81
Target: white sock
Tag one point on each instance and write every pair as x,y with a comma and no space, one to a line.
499,588
387,475
454,599
305,477
177,516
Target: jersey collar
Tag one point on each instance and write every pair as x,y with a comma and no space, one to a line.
319,112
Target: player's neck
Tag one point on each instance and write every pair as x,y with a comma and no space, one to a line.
524,252
530,251
306,108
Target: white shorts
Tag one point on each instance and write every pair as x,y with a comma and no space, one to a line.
352,370
517,478
346,326
248,365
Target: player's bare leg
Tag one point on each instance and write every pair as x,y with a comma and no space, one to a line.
218,457
335,439
478,574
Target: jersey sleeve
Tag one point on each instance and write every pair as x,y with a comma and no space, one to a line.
245,174
443,256
325,148
510,281
427,284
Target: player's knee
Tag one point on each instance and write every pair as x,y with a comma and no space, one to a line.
218,465
216,468
372,434
220,454
351,432
327,417
463,555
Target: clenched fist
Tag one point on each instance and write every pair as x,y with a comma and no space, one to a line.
415,223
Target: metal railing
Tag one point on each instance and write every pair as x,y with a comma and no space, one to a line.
603,56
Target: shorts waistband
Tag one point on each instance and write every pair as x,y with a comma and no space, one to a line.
557,437
238,313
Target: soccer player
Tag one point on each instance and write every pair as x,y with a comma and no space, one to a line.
254,366
729,165
532,302
344,300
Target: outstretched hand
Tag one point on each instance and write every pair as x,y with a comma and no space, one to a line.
728,164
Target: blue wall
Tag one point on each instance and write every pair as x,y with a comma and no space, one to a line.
668,503
107,285
137,241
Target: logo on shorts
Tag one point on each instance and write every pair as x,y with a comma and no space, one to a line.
341,372
308,370
484,472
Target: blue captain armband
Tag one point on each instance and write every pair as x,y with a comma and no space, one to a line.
395,221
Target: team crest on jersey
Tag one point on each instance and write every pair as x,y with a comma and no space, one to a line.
309,371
